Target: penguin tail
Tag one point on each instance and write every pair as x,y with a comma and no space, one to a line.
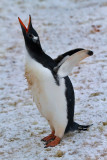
79,127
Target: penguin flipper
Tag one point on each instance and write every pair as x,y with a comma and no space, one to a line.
64,55
66,65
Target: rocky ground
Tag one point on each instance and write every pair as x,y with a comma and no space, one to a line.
62,26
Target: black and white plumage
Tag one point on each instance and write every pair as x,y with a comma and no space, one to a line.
51,87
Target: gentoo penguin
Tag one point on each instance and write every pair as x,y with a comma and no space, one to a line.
50,85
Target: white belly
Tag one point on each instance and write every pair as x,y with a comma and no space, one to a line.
48,96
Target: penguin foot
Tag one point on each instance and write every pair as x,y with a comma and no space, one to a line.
49,137
54,142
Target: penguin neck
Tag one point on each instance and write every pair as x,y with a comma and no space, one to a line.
41,57
35,51
46,61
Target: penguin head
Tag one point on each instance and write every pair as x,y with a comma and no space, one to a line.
30,35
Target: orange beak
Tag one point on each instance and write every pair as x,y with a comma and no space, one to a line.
22,24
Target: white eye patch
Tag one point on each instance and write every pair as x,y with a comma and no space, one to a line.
34,39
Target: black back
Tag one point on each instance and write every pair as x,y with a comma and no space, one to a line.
70,97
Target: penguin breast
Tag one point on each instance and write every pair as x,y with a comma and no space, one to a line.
48,96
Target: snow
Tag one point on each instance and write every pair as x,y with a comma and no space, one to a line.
62,26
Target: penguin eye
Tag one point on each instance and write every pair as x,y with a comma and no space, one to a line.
35,39
30,35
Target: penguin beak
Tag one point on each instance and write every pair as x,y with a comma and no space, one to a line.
24,28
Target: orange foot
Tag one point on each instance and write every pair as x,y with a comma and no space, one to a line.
49,137
54,142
